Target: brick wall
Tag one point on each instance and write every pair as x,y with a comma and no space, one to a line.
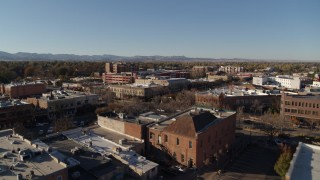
134,130
25,90
205,145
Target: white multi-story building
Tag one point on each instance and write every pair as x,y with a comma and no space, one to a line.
231,69
292,82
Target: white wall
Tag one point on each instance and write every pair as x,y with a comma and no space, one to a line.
259,80
111,124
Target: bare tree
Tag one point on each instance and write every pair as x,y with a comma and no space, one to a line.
255,106
240,113
274,123
62,124
271,124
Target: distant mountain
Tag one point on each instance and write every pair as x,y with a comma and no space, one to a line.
24,56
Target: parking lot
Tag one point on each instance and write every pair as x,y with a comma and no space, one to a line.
255,162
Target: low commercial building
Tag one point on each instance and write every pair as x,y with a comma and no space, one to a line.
88,163
63,103
301,107
135,90
15,111
194,137
304,164
218,77
131,126
119,78
22,90
23,159
173,84
142,168
231,99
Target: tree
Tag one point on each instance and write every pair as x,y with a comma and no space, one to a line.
274,123
283,163
271,124
255,106
240,113
62,124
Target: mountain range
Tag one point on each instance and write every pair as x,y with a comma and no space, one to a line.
25,56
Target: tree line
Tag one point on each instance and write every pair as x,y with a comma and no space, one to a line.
17,70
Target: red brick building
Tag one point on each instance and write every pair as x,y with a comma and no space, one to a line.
22,90
194,137
301,107
14,111
231,100
122,78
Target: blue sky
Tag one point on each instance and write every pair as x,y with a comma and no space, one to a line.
269,29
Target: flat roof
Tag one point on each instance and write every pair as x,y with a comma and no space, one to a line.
234,92
61,95
13,102
145,118
41,165
23,84
114,136
305,163
106,147
88,160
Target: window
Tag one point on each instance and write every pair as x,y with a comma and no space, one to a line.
178,141
59,177
190,144
151,135
293,111
182,158
159,139
174,155
165,138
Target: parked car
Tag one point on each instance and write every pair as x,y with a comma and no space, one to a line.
50,130
40,132
278,142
